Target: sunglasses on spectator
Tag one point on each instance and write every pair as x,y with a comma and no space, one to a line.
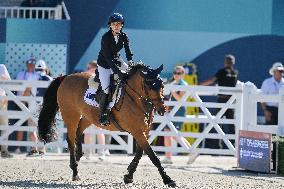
177,73
90,68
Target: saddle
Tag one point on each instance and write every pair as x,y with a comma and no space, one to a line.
93,94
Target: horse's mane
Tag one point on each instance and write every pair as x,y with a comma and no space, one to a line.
134,68
151,76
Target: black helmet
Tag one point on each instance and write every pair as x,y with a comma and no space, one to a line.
116,17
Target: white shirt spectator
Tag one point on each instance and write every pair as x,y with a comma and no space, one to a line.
28,76
4,75
271,87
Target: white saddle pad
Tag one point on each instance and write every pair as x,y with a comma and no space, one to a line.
91,91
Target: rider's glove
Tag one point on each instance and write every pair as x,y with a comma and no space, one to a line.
130,62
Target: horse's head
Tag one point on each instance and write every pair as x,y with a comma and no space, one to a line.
154,88
151,86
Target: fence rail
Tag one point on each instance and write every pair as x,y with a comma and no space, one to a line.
56,13
243,100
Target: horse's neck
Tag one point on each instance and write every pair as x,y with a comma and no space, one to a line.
134,89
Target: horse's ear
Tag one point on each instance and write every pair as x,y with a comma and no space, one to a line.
159,69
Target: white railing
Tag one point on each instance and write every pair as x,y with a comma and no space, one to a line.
55,13
30,112
252,96
205,117
243,100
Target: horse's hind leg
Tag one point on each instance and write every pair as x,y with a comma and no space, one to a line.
78,147
83,124
128,178
72,122
143,143
73,163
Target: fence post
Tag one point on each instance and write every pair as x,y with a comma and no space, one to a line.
238,115
130,144
249,113
281,112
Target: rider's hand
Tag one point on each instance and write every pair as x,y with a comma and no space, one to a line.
130,62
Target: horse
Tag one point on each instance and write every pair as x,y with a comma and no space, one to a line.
142,95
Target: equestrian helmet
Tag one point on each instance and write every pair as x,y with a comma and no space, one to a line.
116,17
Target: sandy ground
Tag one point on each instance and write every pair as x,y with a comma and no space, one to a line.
52,171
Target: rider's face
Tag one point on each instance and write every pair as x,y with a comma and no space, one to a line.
116,26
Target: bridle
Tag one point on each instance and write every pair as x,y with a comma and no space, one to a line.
148,104
144,88
146,100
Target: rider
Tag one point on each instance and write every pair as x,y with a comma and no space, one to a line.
109,60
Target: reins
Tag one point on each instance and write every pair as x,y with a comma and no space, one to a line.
147,104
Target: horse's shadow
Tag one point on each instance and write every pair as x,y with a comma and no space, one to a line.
232,172
50,184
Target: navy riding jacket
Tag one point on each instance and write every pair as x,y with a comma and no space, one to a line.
109,52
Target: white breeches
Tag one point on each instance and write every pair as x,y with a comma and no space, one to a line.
104,75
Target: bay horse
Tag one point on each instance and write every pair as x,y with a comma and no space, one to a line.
143,93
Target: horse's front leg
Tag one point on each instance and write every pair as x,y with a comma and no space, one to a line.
128,178
143,143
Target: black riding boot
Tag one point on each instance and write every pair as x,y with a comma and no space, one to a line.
104,111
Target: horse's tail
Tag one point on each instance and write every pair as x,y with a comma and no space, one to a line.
46,120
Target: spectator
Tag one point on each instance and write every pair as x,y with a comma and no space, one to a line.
271,86
91,68
228,77
4,75
30,75
42,70
178,75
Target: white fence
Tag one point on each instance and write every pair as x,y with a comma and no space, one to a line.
243,100
252,96
55,13
206,117
29,111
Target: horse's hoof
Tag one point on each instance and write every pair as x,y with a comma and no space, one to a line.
172,184
75,178
127,180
